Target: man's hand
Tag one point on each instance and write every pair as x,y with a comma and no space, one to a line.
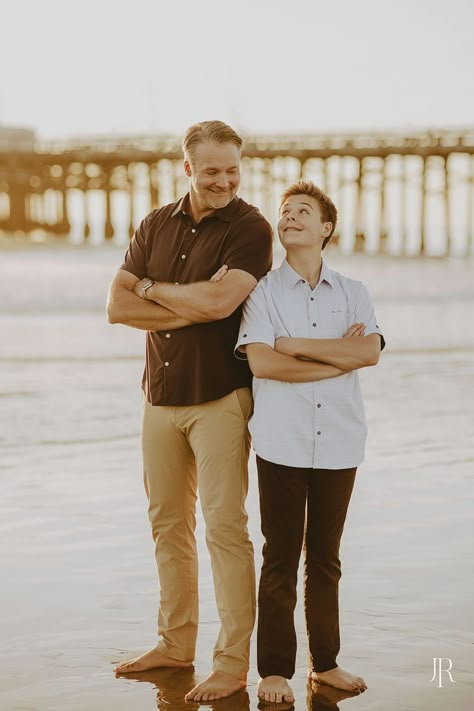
137,289
220,274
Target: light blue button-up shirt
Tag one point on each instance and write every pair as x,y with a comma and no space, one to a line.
321,424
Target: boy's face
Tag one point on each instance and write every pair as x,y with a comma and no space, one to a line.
300,223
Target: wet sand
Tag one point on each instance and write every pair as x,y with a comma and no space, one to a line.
79,590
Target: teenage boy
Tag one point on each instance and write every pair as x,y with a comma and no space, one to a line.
305,330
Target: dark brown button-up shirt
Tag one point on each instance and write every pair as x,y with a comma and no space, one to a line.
196,364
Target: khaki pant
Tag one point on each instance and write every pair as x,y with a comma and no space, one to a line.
202,448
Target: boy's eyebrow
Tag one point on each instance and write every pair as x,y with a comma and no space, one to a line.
301,203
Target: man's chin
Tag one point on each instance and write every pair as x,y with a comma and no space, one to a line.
218,201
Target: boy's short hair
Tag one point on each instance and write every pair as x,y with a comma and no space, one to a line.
326,205
208,132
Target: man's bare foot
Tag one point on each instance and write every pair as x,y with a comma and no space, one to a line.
216,686
275,690
340,679
150,660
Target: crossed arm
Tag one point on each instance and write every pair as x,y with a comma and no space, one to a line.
303,360
173,306
358,351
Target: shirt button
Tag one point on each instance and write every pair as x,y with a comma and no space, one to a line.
193,230
314,324
319,404
318,432
176,282
183,256
311,298
244,336
303,281
166,363
168,335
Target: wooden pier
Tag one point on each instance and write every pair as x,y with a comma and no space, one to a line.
393,190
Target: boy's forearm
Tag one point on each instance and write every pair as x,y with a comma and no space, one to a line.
345,353
270,365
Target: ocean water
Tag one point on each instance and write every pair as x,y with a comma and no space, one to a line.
79,588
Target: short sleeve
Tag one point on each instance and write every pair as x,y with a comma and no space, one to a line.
255,325
364,313
250,248
135,256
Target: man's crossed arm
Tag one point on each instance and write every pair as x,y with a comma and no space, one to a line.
173,306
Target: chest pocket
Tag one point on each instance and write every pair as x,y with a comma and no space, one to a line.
339,318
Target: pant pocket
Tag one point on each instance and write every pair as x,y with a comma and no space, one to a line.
245,402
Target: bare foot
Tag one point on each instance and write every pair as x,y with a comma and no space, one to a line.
216,686
340,679
150,660
274,690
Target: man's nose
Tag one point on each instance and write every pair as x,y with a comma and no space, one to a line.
222,181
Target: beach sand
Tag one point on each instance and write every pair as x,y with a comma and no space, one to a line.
79,590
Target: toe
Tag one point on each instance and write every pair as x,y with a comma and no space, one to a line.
278,698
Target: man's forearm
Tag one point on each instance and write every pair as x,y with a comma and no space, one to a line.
345,353
129,309
194,302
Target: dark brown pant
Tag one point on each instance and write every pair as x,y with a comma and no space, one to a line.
288,495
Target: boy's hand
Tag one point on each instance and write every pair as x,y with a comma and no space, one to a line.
357,329
284,345
220,274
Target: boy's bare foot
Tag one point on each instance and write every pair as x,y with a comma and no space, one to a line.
340,679
150,660
275,690
217,685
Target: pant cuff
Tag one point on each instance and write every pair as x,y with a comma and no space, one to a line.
234,669
173,653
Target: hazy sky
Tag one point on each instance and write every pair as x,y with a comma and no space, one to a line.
101,66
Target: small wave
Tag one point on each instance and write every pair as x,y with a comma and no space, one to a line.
62,442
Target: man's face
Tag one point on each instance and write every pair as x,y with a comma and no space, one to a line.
214,174
300,223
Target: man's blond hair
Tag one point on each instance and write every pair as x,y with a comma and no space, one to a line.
208,132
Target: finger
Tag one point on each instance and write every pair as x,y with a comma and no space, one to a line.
220,273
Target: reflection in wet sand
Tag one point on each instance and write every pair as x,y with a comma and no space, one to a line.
173,684
321,697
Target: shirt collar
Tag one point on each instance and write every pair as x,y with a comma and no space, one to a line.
226,214
292,278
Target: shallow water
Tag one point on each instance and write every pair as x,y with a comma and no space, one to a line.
79,590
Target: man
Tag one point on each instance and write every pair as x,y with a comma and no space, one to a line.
305,329
197,399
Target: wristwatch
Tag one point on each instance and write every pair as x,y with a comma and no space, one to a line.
147,285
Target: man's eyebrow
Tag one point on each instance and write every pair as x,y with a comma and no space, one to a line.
214,167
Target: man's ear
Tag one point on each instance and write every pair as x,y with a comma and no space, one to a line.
187,168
